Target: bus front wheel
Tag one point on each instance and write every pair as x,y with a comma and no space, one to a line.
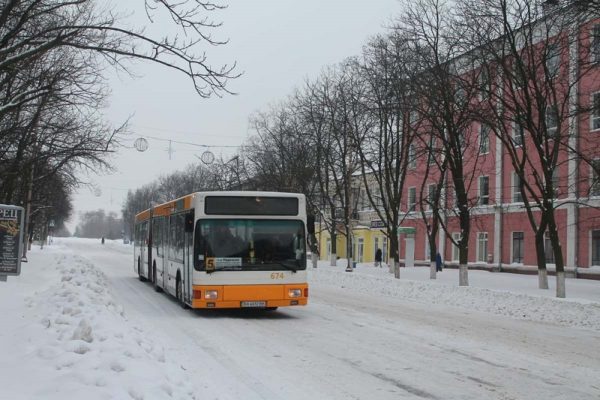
179,292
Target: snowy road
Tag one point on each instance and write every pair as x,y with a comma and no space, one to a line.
343,345
349,346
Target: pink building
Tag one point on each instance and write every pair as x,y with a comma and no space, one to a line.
501,234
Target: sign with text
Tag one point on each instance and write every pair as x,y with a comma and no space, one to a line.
377,224
11,239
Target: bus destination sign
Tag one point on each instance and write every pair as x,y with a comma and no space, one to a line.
11,240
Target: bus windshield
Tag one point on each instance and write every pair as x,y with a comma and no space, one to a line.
249,244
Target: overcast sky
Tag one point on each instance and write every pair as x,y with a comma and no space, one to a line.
276,44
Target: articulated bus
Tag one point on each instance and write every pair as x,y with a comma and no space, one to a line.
226,249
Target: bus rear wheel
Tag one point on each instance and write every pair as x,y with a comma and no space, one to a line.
154,280
140,277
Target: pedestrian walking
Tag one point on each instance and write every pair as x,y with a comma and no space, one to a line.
378,257
438,262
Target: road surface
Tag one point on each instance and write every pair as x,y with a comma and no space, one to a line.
345,345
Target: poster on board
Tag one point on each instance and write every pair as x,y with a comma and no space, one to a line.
11,240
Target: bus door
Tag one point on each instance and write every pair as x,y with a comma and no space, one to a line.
188,255
144,248
158,244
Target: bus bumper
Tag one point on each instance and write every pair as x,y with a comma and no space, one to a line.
250,296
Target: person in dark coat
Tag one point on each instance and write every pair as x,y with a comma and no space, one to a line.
378,256
438,262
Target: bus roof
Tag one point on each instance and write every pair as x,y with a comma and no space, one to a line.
185,202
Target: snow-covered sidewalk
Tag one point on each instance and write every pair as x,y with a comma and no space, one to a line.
63,334
511,295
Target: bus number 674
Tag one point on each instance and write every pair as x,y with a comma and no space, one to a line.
277,275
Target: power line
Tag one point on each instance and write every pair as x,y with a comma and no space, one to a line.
190,143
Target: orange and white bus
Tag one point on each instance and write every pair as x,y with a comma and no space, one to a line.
226,249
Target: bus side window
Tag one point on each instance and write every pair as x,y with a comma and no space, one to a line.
199,248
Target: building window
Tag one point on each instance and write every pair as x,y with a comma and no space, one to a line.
518,247
462,139
552,59
484,190
548,250
484,139
412,157
432,150
552,121
595,178
595,43
455,251
482,246
519,76
431,195
517,196
596,247
595,112
413,117
484,83
412,199
518,131
555,182
360,250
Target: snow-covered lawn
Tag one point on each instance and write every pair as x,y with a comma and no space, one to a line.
506,294
63,336
78,324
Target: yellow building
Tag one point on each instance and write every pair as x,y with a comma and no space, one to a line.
365,241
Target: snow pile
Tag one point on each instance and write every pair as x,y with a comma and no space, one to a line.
88,343
570,312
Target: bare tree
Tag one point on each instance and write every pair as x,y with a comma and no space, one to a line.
445,91
531,51
325,107
385,133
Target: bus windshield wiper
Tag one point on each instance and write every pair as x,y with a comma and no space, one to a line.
224,269
286,266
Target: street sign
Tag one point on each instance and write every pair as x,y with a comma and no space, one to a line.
11,240
377,223
407,230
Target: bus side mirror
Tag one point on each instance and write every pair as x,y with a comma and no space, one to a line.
310,224
189,222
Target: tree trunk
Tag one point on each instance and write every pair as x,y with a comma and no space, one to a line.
541,260
333,260
542,278
333,237
314,259
394,266
463,275
28,225
558,259
432,269
463,270
561,291
349,266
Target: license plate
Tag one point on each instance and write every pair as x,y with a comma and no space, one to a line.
254,303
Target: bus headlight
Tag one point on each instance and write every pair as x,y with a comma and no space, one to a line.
211,294
295,293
